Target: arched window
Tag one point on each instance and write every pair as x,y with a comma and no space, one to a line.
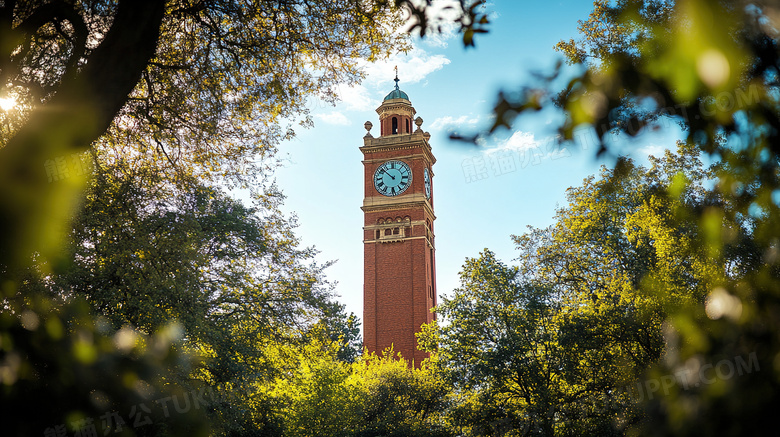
395,126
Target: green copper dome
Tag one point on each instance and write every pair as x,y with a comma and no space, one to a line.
397,94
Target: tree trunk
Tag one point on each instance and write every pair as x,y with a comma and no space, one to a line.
35,208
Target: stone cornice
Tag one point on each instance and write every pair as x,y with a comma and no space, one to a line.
382,203
391,143
389,140
395,106
401,240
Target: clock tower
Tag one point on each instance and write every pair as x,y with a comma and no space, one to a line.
399,251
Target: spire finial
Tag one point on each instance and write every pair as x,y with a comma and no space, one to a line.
396,77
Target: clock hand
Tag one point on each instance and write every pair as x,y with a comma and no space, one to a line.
385,172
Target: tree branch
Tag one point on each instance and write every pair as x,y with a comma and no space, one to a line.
34,212
55,12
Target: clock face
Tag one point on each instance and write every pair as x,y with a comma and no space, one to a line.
392,178
427,179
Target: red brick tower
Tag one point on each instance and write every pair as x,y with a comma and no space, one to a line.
399,254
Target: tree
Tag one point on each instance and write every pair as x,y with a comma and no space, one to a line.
65,371
345,330
606,34
556,345
502,341
182,93
711,67
525,358
400,401
321,395
232,277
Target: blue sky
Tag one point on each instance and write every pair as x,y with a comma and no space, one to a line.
482,196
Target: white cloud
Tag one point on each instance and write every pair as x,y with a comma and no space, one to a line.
529,149
413,67
440,39
355,98
653,149
336,118
520,140
449,122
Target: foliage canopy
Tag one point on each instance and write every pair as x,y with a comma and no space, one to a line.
711,67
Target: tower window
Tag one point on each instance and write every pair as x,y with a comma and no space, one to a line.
395,126
407,127
433,273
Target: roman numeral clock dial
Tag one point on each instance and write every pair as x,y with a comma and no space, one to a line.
392,178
